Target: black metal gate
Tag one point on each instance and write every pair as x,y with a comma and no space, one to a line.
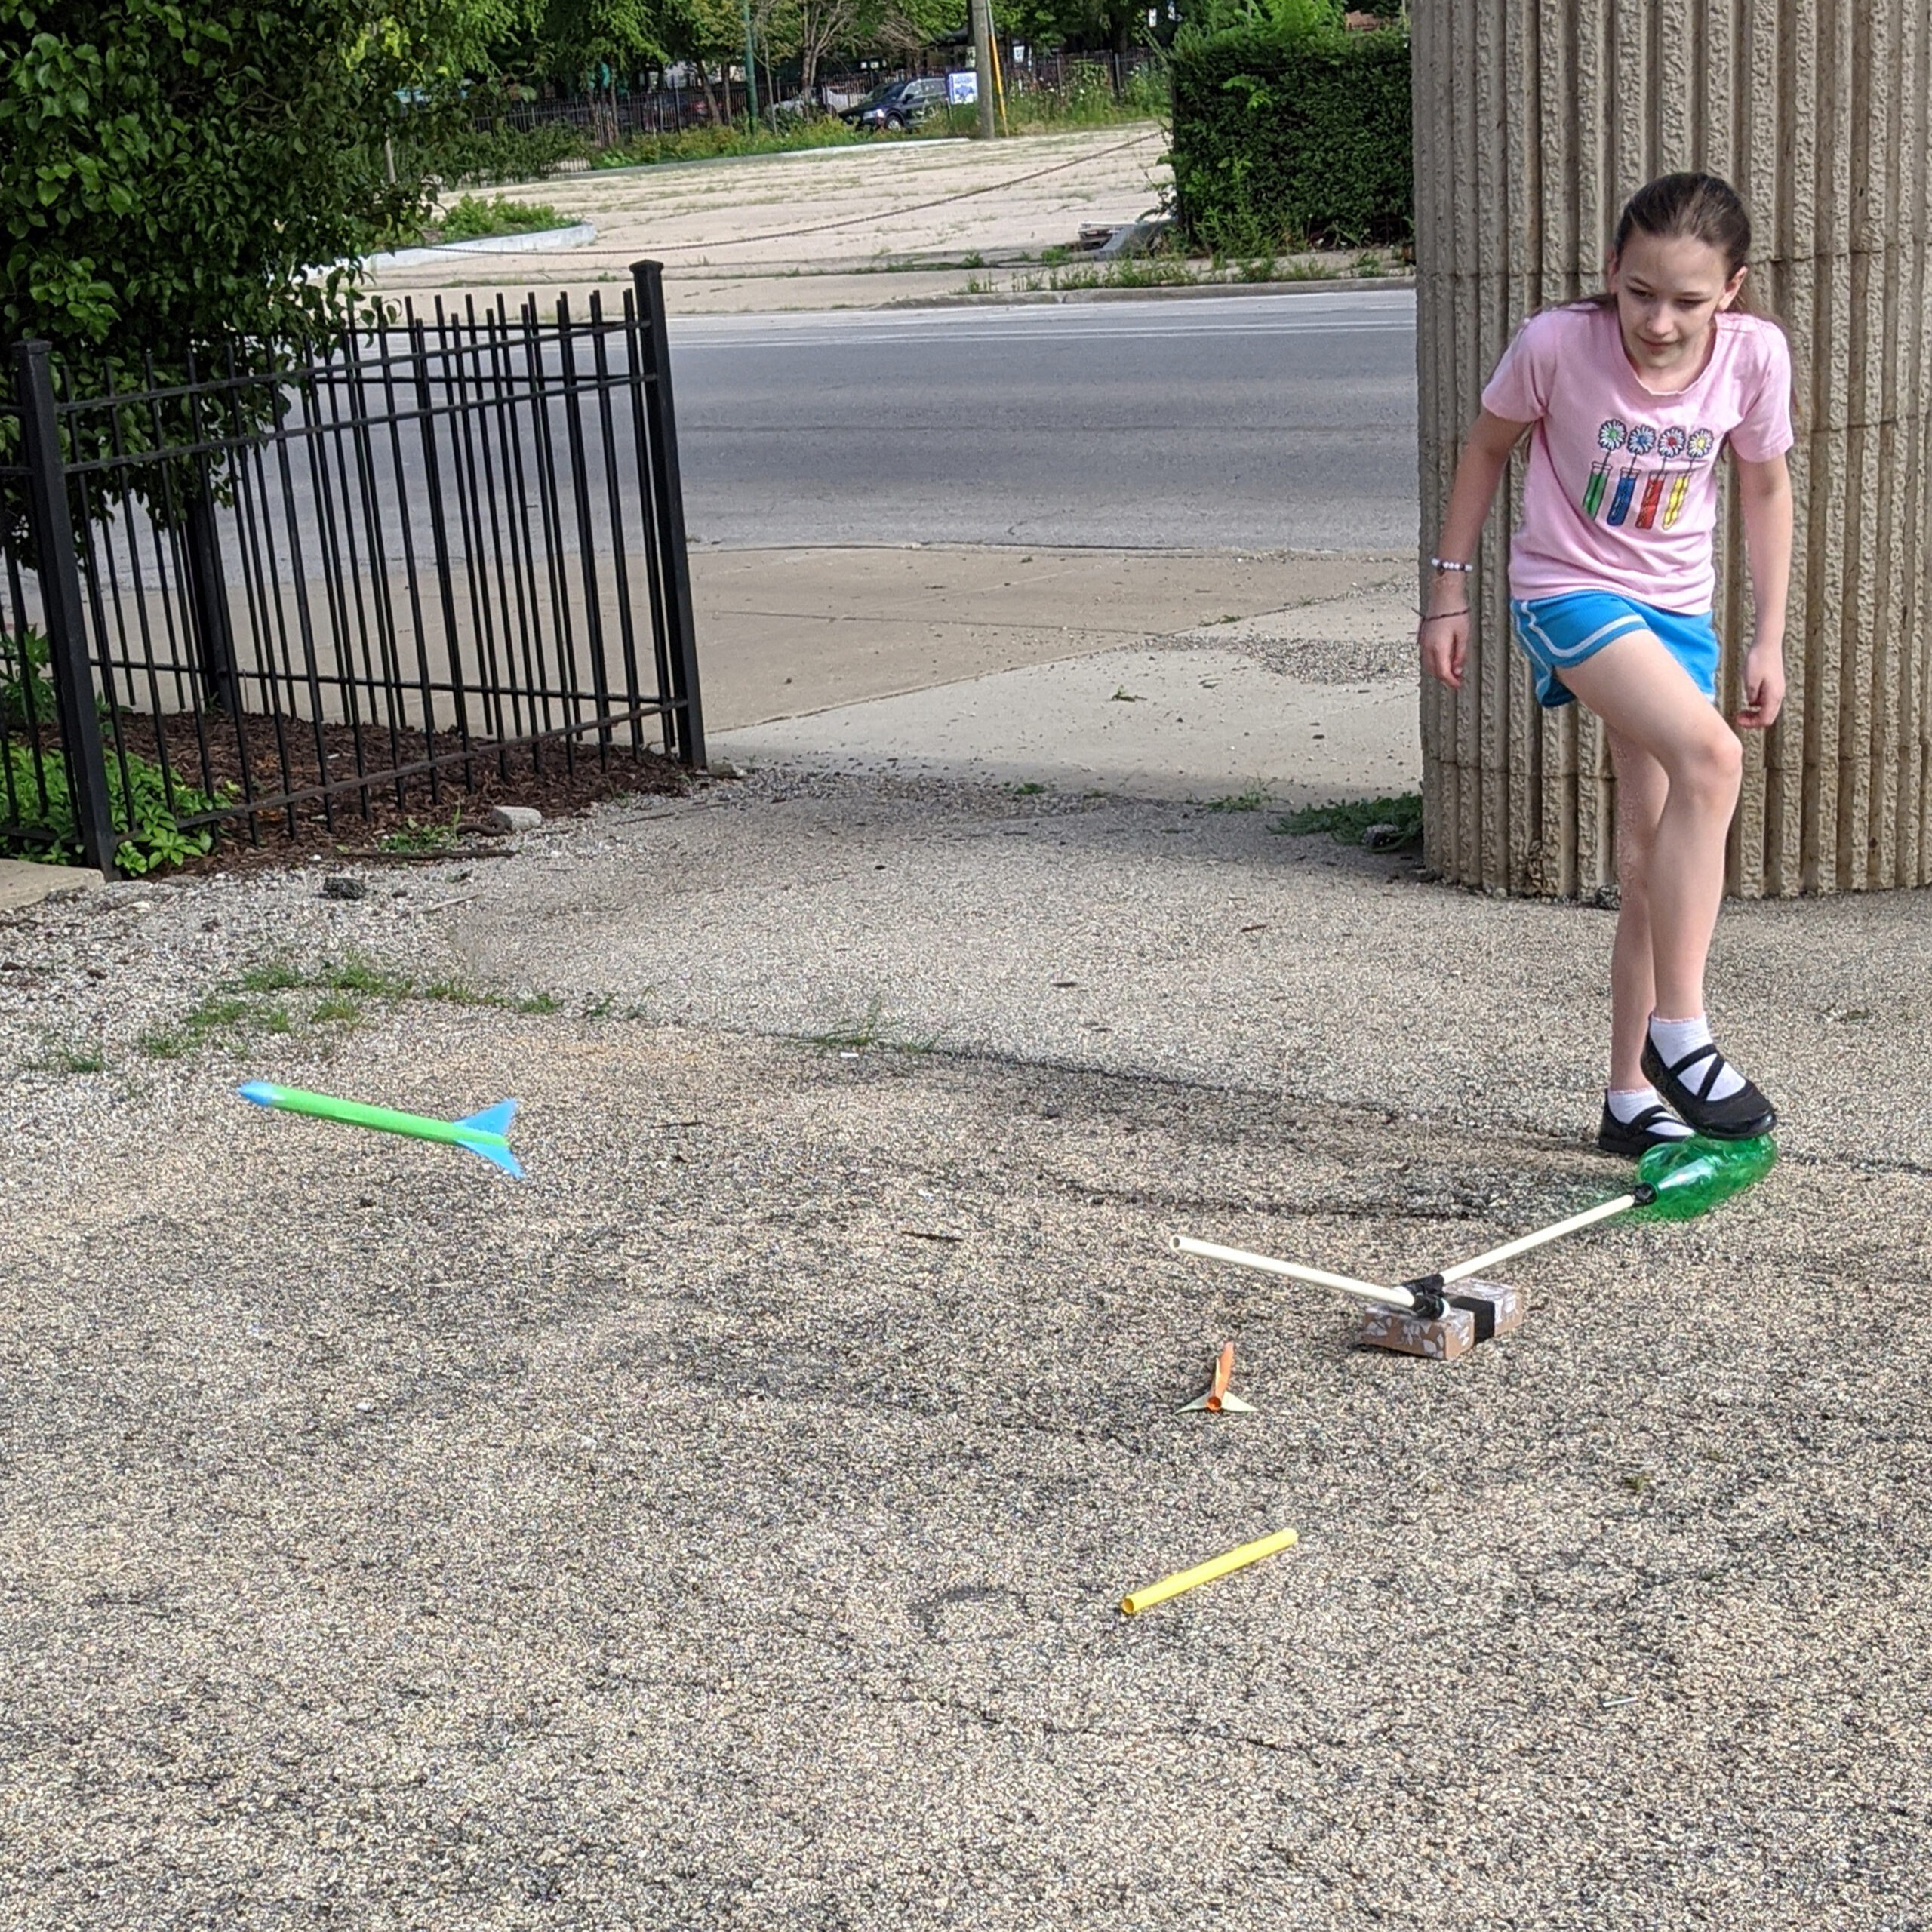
442,550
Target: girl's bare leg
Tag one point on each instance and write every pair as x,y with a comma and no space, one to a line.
1642,785
1647,698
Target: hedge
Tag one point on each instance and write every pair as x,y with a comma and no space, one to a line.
1289,141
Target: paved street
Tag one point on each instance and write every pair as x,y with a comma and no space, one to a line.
1244,422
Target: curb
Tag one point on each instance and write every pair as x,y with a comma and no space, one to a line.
1309,285
536,241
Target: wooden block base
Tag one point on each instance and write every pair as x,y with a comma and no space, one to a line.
1477,1311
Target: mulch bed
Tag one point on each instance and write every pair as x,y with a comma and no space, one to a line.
556,776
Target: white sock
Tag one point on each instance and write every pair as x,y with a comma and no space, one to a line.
1626,1103
1674,1038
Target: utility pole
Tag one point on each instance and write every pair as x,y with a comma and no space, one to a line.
751,64
983,64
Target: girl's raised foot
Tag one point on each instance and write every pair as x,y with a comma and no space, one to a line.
1703,1086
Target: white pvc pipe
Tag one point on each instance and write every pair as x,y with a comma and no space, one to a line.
1509,1249
1367,1291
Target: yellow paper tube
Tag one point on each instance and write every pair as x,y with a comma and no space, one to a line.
1205,1573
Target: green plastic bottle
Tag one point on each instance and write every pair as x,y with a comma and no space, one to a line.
1693,1177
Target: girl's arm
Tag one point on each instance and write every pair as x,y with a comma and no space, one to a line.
1764,495
1444,633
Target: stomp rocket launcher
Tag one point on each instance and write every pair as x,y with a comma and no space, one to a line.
486,1133
1677,1181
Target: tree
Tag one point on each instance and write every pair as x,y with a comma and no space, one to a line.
596,43
171,175
821,27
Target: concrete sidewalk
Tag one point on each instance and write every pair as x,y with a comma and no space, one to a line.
1181,942
1161,674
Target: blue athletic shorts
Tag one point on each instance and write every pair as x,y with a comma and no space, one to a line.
1555,632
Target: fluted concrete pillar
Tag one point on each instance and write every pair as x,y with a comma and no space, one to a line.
1534,120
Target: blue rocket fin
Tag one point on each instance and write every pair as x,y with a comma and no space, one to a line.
492,1120
498,1156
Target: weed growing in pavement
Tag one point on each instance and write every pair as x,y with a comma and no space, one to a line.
415,835
237,1013
1252,800
1309,268
1029,790
221,1015
1123,696
273,976
67,1057
872,1028
1348,821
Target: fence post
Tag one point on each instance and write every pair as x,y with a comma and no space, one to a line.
207,590
660,417
52,523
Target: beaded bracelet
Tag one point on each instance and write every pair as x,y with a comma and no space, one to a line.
1450,564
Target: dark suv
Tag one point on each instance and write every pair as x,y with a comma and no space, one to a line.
898,103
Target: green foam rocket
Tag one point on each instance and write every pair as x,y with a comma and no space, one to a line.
486,1133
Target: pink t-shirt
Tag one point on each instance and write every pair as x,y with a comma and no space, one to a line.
1622,490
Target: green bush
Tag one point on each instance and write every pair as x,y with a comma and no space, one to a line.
143,812
471,218
171,174
1285,139
33,798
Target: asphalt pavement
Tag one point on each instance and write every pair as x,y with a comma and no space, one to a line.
724,1526
1270,422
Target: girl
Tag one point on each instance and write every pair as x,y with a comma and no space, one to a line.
1629,398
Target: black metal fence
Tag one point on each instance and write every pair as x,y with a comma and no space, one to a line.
445,554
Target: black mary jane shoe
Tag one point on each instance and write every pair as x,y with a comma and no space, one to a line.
1742,1116
1636,1138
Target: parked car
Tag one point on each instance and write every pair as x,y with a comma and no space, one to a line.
898,104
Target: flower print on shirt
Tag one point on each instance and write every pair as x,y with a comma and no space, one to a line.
1663,490
1697,446
1671,444
1641,441
1566,375
1610,439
